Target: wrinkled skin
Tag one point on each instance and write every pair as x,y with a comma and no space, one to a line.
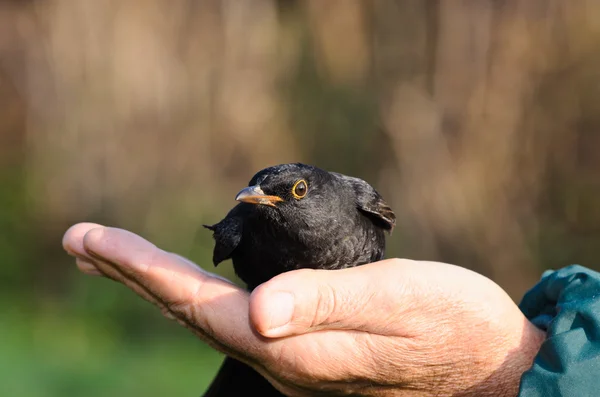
391,328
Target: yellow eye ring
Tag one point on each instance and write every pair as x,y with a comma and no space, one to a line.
299,189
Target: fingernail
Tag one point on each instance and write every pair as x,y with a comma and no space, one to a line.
281,310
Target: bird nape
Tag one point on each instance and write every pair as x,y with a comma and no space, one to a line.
294,216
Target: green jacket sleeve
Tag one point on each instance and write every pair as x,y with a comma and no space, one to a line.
566,304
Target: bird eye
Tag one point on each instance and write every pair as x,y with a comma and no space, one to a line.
299,189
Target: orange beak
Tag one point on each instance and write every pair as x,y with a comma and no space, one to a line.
255,195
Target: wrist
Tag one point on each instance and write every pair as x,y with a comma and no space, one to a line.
504,381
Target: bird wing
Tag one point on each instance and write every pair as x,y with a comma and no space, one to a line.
227,235
371,203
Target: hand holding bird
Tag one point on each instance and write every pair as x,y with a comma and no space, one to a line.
391,327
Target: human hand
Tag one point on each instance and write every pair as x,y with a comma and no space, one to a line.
395,327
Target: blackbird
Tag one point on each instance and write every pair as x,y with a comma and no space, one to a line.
294,216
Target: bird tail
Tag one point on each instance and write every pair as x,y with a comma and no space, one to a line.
235,378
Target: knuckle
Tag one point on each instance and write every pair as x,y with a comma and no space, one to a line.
327,305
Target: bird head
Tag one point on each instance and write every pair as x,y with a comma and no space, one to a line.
310,195
283,185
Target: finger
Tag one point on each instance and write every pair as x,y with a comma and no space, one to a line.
73,238
213,308
73,243
361,298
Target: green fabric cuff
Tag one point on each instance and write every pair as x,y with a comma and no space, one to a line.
566,304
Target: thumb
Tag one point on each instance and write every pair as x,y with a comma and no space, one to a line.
361,298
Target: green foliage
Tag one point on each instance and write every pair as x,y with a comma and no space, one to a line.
13,229
52,352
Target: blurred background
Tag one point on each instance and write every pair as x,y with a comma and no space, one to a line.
477,120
